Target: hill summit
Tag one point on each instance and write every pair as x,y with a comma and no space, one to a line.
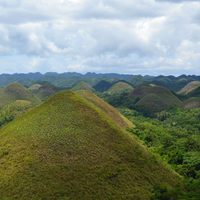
68,148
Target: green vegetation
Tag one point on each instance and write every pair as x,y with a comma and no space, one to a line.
15,92
67,80
69,148
175,137
120,87
9,112
82,86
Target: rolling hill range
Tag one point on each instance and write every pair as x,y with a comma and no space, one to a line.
120,87
190,88
151,99
69,148
16,91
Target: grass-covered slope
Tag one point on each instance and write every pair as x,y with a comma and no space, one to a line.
106,108
82,86
120,87
68,148
151,99
10,111
189,88
15,92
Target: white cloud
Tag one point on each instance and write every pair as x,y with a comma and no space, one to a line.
138,36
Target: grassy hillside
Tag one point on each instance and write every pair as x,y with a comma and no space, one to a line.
82,86
15,92
189,88
151,99
120,87
68,148
106,108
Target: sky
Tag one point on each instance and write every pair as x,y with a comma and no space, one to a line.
103,36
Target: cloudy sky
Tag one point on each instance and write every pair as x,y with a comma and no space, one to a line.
129,36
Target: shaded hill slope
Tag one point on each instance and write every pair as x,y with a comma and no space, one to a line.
68,148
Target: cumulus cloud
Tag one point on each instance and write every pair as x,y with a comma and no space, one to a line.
139,36
178,1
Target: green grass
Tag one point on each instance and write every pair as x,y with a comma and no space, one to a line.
110,111
15,92
68,148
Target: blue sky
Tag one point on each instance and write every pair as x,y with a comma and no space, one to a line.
130,36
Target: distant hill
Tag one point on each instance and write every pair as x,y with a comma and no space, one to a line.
44,90
102,86
173,83
151,99
120,87
190,88
69,148
82,86
68,79
16,91
193,102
